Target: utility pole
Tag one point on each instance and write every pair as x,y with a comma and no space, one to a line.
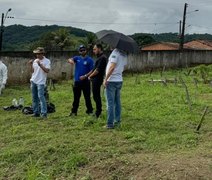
3,18
183,28
2,30
180,28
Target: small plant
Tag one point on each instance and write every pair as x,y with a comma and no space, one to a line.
76,161
202,71
33,171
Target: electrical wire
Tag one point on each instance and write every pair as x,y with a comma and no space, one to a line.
89,22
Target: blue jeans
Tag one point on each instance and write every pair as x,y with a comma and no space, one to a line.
38,99
113,103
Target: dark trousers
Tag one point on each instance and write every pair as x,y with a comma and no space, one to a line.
96,88
78,88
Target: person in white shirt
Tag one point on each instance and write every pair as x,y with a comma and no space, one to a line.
39,67
3,76
113,84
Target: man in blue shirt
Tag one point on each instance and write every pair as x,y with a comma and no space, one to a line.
83,68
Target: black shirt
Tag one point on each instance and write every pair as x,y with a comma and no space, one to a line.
100,66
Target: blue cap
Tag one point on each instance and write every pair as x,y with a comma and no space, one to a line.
82,47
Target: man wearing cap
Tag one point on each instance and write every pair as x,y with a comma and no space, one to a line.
97,76
39,67
83,68
3,76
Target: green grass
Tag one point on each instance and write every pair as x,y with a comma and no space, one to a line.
155,120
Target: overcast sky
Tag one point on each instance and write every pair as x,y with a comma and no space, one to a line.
126,16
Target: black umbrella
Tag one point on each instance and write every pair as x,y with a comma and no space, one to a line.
118,40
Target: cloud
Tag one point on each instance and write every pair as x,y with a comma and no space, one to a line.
153,16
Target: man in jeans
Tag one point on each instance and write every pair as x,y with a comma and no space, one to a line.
83,68
97,77
39,67
113,83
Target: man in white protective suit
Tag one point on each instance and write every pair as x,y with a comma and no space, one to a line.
3,76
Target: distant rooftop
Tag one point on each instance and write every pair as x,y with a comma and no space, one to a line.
195,45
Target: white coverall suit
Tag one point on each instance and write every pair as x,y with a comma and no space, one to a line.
3,76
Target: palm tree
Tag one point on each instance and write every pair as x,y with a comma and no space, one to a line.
55,40
89,42
62,38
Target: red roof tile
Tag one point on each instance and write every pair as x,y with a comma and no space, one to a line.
199,44
161,46
195,45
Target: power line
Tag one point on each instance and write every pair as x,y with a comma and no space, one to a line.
108,23
89,22
201,26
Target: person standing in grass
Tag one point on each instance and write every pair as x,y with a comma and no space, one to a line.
113,84
40,68
97,77
3,76
83,68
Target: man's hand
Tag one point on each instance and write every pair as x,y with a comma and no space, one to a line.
89,78
82,78
3,86
105,83
70,61
38,62
30,62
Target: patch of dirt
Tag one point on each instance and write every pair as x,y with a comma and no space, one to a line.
180,166
109,169
189,166
206,97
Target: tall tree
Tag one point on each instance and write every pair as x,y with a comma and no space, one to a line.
56,40
142,39
89,40
62,38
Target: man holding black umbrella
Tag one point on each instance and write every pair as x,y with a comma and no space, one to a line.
113,84
115,67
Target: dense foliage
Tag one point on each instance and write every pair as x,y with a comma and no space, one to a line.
19,37
143,38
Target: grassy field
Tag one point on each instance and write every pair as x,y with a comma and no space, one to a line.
157,139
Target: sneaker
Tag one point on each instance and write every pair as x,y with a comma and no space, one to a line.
108,127
35,115
43,116
73,114
97,115
89,112
117,124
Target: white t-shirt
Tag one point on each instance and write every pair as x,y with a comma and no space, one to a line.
120,59
3,73
39,76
